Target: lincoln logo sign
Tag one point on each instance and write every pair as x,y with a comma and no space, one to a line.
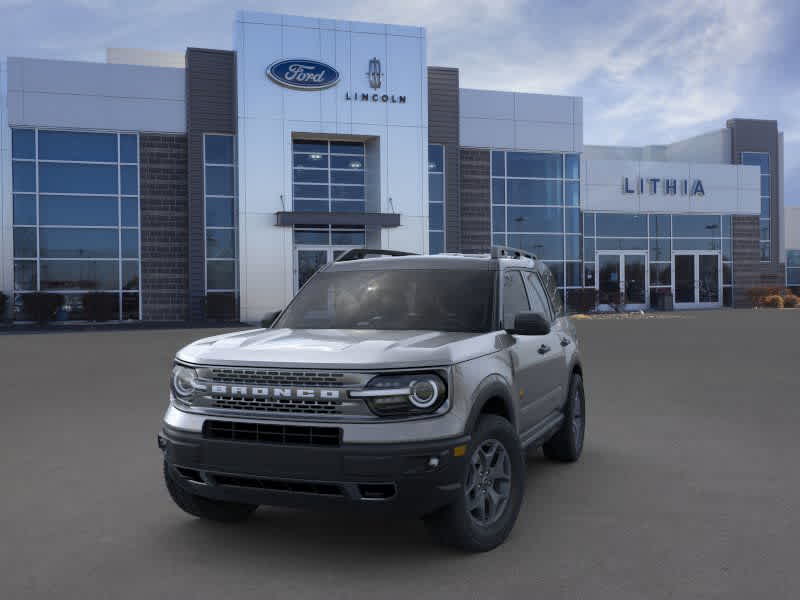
669,187
302,74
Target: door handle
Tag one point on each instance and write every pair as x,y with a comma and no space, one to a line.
544,349
565,341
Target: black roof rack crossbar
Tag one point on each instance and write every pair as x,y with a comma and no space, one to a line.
508,252
359,253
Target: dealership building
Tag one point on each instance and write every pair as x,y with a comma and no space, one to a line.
211,184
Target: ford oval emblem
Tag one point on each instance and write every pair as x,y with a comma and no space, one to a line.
303,74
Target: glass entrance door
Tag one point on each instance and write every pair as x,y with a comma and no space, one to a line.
309,260
622,280
697,279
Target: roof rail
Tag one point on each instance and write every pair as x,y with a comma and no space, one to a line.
508,252
359,253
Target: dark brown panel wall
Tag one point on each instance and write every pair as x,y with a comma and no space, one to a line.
443,129
476,218
746,253
210,108
164,226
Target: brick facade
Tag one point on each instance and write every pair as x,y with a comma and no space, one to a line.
476,204
164,227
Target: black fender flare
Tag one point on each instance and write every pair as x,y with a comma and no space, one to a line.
493,386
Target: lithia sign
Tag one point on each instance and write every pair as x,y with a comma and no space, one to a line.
306,74
667,186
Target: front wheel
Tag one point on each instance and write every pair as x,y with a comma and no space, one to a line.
567,443
493,486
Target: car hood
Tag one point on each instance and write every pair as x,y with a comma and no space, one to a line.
336,348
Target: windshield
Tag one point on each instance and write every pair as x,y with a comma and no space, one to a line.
438,300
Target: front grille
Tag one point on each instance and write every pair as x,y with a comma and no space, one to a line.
279,405
268,377
280,485
267,433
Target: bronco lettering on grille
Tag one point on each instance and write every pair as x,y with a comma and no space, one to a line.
274,392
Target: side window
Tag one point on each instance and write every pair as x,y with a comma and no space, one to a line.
515,299
537,295
551,287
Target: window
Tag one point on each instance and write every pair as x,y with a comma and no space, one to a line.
76,218
515,299
762,160
537,296
219,156
793,268
436,198
536,207
328,176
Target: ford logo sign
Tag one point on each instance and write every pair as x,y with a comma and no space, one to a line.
303,74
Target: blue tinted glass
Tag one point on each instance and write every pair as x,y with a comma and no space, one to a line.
764,229
545,247
436,216
348,238
130,243
498,191
765,208
660,274
695,226
128,149
221,274
352,177
727,225
660,249
340,162
573,166
130,212
347,148
77,210
498,218
572,190
436,188
311,237
793,258
573,274
312,175
219,181
309,146
793,277
435,158
129,176
220,243
628,225
25,242
660,226
529,164
24,209
130,275
621,244
572,220
588,273
320,161
535,220
435,243
77,179
310,191
347,192
219,212
727,249
79,275
23,176
766,251
588,249
499,239
498,163
759,159
311,205
529,191
588,224
219,149
765,185
557,270
78,243
23,144
695,244
348,206
74,145
24,275
572,246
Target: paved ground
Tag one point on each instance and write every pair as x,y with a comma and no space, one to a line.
688,487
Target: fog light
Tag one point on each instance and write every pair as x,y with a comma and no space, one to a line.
433,462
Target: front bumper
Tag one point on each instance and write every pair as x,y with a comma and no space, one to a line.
407,478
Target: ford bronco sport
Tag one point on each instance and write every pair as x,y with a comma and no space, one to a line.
391,382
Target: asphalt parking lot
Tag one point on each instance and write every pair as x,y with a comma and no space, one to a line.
688,487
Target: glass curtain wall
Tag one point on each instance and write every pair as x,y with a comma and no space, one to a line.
536,207
793,269
76,221
660,235
761,160
328,176
436,198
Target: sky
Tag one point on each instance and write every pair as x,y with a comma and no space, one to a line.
649,72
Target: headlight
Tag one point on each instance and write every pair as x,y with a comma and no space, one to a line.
184,382
404,395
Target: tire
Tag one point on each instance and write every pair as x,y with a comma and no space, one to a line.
566,444
460,525
205,508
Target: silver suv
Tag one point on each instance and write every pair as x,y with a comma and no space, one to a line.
391,382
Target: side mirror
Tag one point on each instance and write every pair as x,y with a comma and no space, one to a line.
269,319
530,323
